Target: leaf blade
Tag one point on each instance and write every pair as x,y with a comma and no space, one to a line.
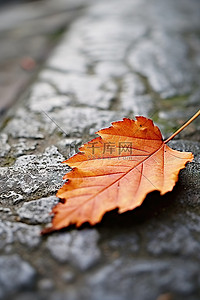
101,181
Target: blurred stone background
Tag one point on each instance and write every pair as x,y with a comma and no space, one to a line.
28,32
67,69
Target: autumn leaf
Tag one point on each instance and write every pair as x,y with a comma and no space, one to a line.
117,170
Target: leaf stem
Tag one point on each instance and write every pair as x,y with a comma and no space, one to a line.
182,127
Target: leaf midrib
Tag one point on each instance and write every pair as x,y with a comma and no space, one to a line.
122,175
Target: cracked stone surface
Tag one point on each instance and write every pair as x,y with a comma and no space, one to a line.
117,59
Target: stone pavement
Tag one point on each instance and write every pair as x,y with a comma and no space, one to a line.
28,32
118,59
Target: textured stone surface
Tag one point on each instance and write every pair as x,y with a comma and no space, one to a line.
4,146
163,65
69,146
117,279
15,274
12,232
134,96
87,90
26,127
37,211
82,121
23,146
76,247
30,174
28,31
118,59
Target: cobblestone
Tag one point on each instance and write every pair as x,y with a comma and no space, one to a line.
37,211
28,31
76,247
15,275
31,174
91,89
12,232
117,279
118,59
163,65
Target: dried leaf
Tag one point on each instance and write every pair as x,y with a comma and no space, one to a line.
117,170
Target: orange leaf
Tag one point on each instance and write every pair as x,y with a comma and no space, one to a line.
117,170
